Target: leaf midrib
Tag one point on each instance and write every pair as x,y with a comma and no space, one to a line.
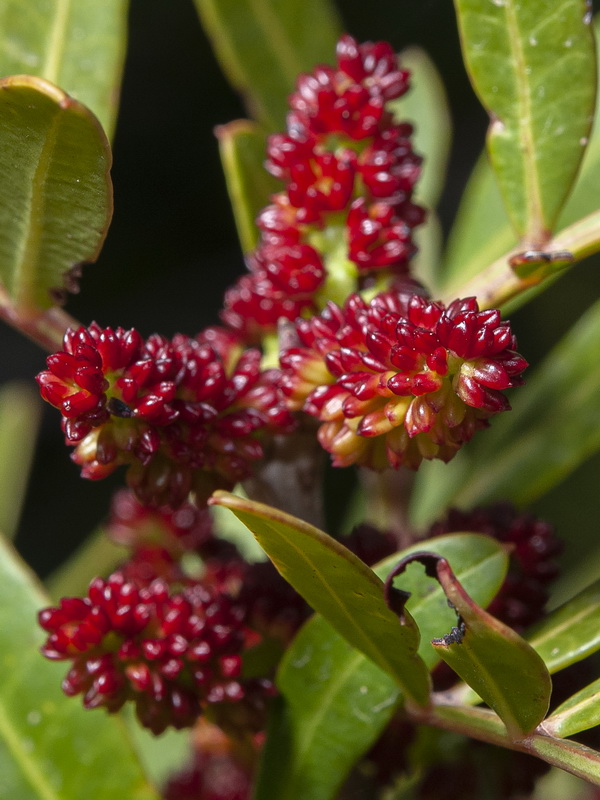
382,660
29,768
27,260
353,663
534,222
53,62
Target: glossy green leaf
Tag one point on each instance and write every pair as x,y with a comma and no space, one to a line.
54,208
482,232
50,747
336,695
337,702
523,455
19,419
263,45
242,145
571,632
77,46
533,67
579,713
504,670
338,585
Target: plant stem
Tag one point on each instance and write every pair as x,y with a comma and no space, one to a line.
291,475
499,283
46,328
485,725
388,494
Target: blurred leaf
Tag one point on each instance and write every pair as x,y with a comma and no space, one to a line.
97,555
578,713
425,265
263,45
161,756
50,747
496,662
570,633
481,232
337,700
533,67
551,430
242,147
338,585
54,209
77,46
19,419
426,107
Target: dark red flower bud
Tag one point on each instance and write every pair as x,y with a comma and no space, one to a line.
182,414
400,378
144,644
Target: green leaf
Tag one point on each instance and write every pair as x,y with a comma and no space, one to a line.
496,662
579,713
426,107
19,419
532,448
570,633
338,585
242,145
54,208
337,700
482,232
79,46
263,45
50,747
161,756
533,68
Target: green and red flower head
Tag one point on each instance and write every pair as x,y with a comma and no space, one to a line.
350,171
282,282
401,378
183,416
172,654
350,97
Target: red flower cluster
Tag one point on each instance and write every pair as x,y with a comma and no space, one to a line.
184,415
171,654
401,378
160,538
349,169
523,595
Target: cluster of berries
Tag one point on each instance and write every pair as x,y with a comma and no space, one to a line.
171,642
401,378
346,211
186,414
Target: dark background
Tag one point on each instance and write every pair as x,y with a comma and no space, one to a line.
172,248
